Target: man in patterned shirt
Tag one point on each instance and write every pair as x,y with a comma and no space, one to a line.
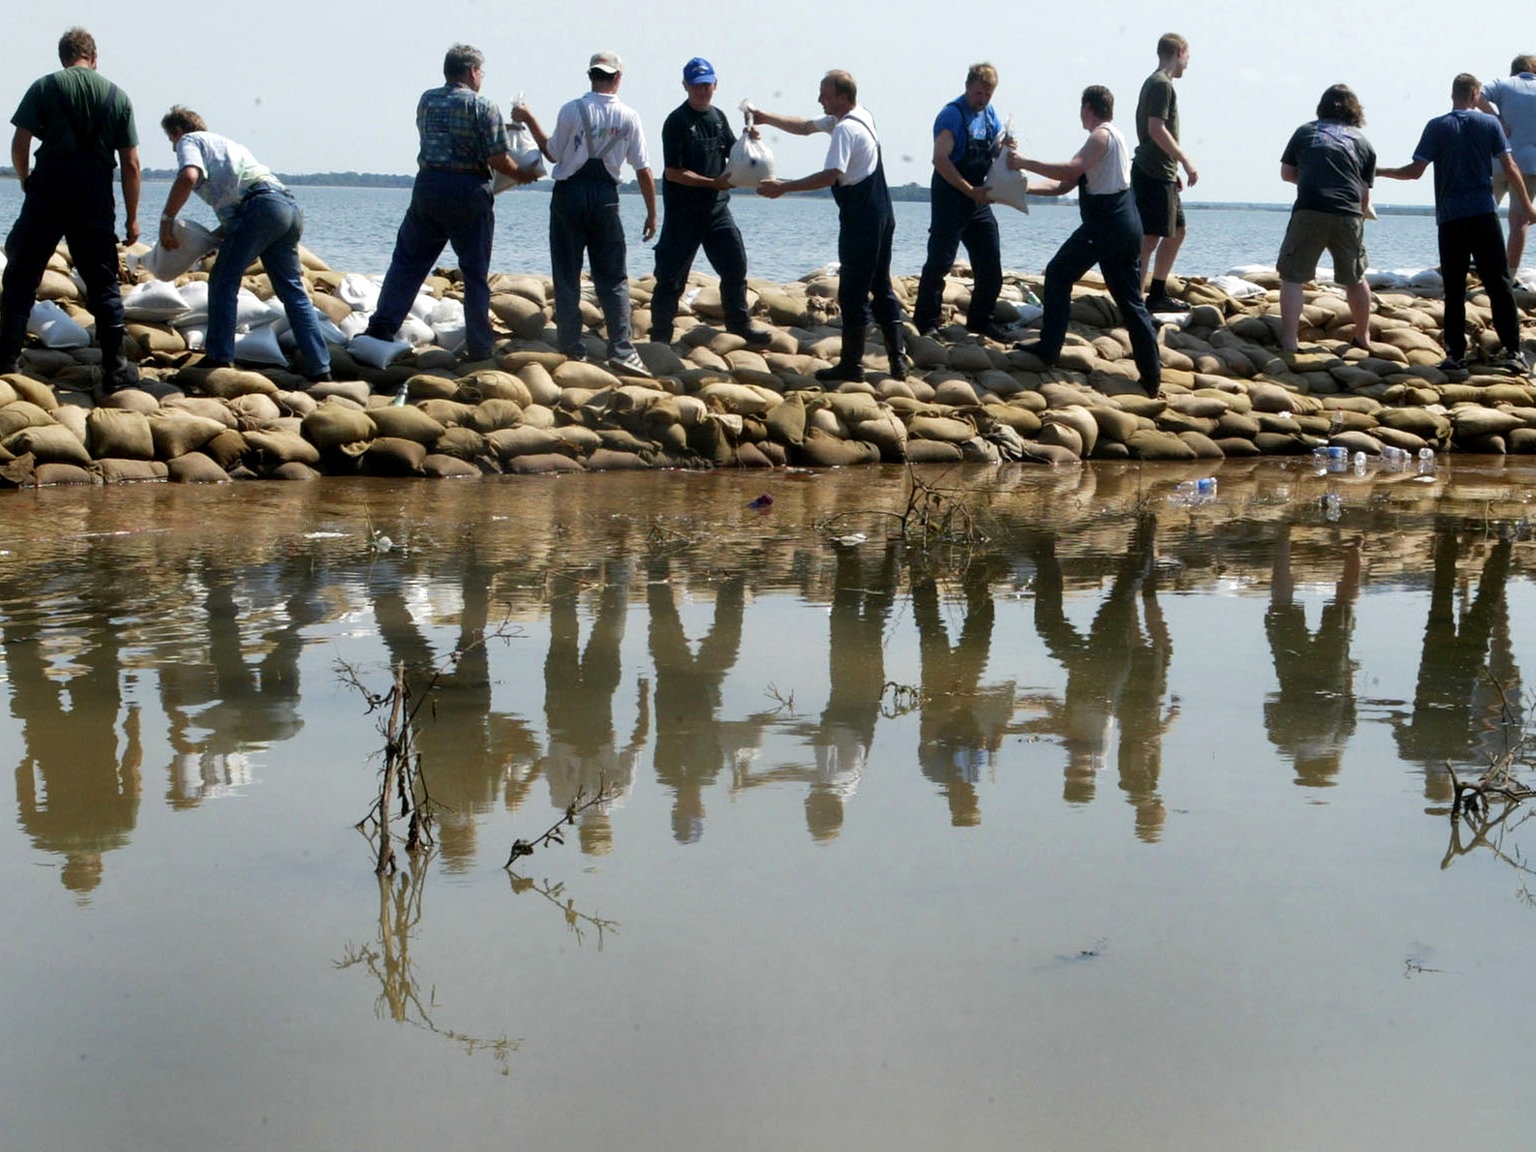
462,140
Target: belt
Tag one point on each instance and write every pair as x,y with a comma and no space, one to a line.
259,189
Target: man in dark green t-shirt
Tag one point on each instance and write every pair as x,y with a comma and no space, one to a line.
1155,173
83,124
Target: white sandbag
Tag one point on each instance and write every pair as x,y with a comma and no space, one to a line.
260,346
353,324
1383,280
524,152
196,335
154,301
251,311
1237,288
422,306
376,353
1428,278
55,327
751,160
331,334
1005,185
362,292
448,327
193,242
416,332
1247,270
194,293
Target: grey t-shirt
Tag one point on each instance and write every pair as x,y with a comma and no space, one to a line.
1158,99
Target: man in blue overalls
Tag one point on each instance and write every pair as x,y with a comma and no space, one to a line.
967,136
866,223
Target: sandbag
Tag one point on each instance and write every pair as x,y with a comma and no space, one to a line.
55,327
750,162
193,242
195,468
114,471
154,301
1004,185
115,433
376,353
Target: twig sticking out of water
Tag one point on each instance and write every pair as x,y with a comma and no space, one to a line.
555,833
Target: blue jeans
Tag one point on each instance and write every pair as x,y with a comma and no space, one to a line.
446,208
584,220
267,223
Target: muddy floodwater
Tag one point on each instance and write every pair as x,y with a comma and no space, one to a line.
1112,818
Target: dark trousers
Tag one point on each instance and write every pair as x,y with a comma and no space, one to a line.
1476,240
683,232
69,198
446,208
957,220
1110,236
864,281
584,221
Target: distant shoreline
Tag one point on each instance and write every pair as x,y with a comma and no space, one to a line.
910,192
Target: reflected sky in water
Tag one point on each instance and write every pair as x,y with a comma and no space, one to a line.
1120,822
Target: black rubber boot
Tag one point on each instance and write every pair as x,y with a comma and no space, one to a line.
117,371
850,366
895,350
13,336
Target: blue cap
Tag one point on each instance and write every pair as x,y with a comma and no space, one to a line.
698,71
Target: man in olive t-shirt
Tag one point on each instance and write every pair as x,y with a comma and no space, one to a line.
1155,173
84,125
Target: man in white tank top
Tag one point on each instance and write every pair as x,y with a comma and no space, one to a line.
1110,236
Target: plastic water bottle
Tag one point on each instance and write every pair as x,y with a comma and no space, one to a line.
1191,492
1333,507
1331,457
1359,463
1336,425
1426,460
403,396
1393,459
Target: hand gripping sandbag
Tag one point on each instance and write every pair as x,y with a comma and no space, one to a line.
523,150
193,242
1006,185
751,161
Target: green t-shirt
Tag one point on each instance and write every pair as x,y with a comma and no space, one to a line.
78,110
1159,100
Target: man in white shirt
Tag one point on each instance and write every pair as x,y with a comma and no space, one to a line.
866,222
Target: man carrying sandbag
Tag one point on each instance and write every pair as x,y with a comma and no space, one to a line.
696,142
81,120
967,136
855,172
594,136
463,139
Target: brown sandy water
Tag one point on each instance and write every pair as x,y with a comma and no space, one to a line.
1120,825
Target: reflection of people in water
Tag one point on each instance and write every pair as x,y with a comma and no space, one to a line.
689,749
962,724
1312,716
1459,713
579,684
861,605
77,794
1116,676
465,747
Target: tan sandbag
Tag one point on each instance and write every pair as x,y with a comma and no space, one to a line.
442,467
853,408
752,456
961,393
823,451
156,338
933,452
405,422
256,410
613,460
1061,435
1053,454
332,425
448,413
582,374
541,386
227,383
7,393
1472,420
72,416
294,470
542,462
1158,445
195,468
947,428
431,386
33,391
1429,425
1023,420
112,433
741,399
1114,423
1081,420
538,416
524,440
207,407
523,317
394,456
462,443
356,391
273,448
1202,446
491,384
175,433
21,414
787,422
886,432
115,471
48,444
53,475
580,439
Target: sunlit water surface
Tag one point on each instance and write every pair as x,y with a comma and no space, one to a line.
1121,824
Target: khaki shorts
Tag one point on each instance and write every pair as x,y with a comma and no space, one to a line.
1309,233
1501,185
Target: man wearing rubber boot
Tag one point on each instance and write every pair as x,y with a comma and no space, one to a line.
967,137
84,125
866,223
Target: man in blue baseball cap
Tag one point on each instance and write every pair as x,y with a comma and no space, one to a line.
696,142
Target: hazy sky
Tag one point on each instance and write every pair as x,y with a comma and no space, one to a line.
322,86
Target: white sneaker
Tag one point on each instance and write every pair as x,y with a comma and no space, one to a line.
630,365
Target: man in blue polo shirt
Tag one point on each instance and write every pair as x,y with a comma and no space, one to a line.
1460,145
966,137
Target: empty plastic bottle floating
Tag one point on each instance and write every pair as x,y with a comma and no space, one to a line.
1191,492
1332,457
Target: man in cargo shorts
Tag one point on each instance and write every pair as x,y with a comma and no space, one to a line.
1155,173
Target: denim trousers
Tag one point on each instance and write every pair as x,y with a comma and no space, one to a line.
584,221
683,231
446,208
957,219
268,224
